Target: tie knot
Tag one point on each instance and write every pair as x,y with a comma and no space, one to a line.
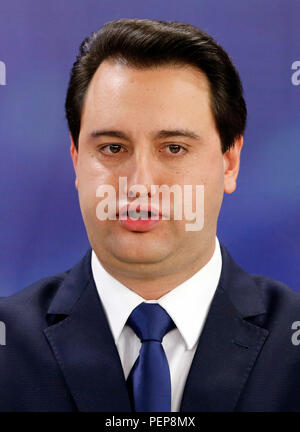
150,322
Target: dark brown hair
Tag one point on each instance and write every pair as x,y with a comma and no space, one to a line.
144,43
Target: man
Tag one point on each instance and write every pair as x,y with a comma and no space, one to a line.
155,316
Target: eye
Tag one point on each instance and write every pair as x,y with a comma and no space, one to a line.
176,149
110,149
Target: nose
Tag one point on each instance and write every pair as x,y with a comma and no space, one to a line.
141,173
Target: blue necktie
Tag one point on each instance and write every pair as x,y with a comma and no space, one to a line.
149,383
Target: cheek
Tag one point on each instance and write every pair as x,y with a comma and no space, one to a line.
91,175
210,176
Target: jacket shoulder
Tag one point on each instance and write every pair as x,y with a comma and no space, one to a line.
276,294
282,313
36,296
30,305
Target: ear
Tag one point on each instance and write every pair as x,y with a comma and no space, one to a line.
74,156
231,163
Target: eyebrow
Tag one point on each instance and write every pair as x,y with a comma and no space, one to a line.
163,133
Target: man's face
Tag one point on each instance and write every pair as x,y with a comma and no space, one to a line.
140,104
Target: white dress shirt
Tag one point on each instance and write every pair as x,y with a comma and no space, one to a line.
187,304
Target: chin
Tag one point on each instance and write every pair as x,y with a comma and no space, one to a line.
140,254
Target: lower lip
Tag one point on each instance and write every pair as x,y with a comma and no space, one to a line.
140,225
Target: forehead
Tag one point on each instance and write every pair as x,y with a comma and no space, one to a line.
121,90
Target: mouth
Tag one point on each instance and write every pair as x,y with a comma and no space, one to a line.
139,212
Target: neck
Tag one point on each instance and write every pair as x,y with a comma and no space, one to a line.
154,286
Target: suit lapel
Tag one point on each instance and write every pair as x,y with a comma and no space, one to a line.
83,344
228,345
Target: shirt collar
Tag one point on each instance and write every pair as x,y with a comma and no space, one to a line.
187,304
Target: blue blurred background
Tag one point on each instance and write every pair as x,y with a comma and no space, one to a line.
42,232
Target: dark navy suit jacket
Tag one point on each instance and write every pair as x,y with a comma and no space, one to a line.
60,354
